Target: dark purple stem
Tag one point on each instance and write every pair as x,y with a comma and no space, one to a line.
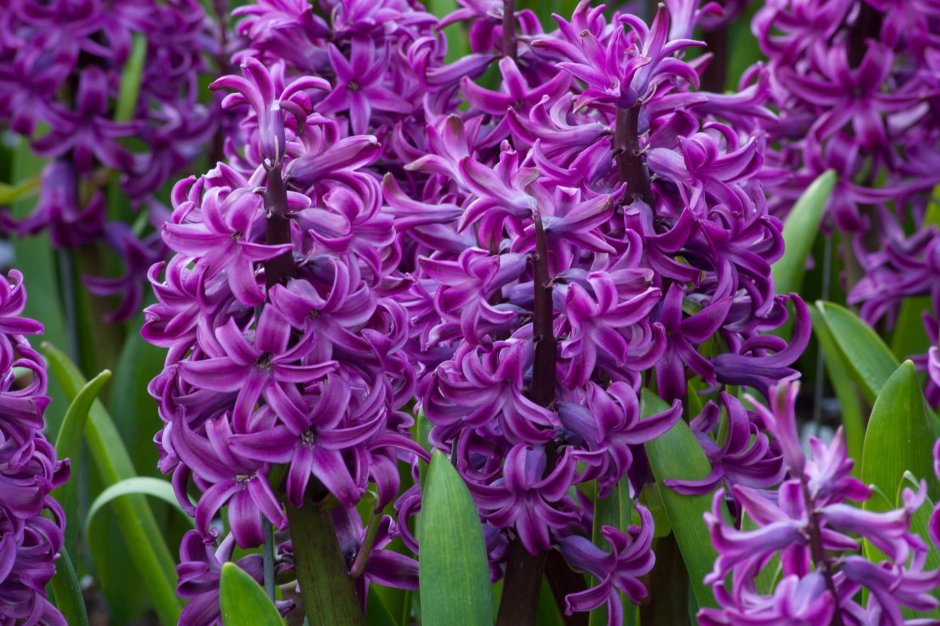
715,75
523,579
278,269
818,552
509,29
630,165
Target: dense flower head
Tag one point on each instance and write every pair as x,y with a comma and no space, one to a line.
64,75
521,257
853,87
31,522
594,201
287,374
813,526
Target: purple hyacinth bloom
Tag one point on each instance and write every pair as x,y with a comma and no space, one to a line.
200,572
31,522
619,571
817,537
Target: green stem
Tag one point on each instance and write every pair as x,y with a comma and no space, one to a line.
329,596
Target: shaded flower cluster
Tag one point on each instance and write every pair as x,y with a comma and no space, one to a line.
584,228
31,522
287,371
812,531
854,84
64,68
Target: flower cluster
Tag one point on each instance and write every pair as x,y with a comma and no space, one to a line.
855,86
64,69
809,528
287,369
586,227
31,522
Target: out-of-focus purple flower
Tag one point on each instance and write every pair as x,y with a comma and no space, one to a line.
31,522
618,571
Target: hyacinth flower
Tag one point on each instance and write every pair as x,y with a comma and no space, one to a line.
32,523
852,83
566,249
63,66
810,525
286,372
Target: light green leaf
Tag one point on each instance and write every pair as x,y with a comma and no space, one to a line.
677,454
870,361
142,535
68,592
68,445
139,485
799,233
13,193
453,569
244,602
899,438
847,392
130,80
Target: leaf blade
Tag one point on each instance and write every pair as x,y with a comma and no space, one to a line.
805,217
243,601
454,569
148,548
677,455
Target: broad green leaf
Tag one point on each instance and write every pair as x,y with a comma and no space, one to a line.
899,438
870,361
376,612
130,80
853,416
677,454
799,233
68,592
453,569
134,411
68,445
243,601
139,485
147,547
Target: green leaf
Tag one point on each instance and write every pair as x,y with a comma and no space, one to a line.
68,445
130,80
899,438
853,416
68,592
453,569
870,361
376,612
799,233
134,411
13,193
148,549
139,485
244,602
677,454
